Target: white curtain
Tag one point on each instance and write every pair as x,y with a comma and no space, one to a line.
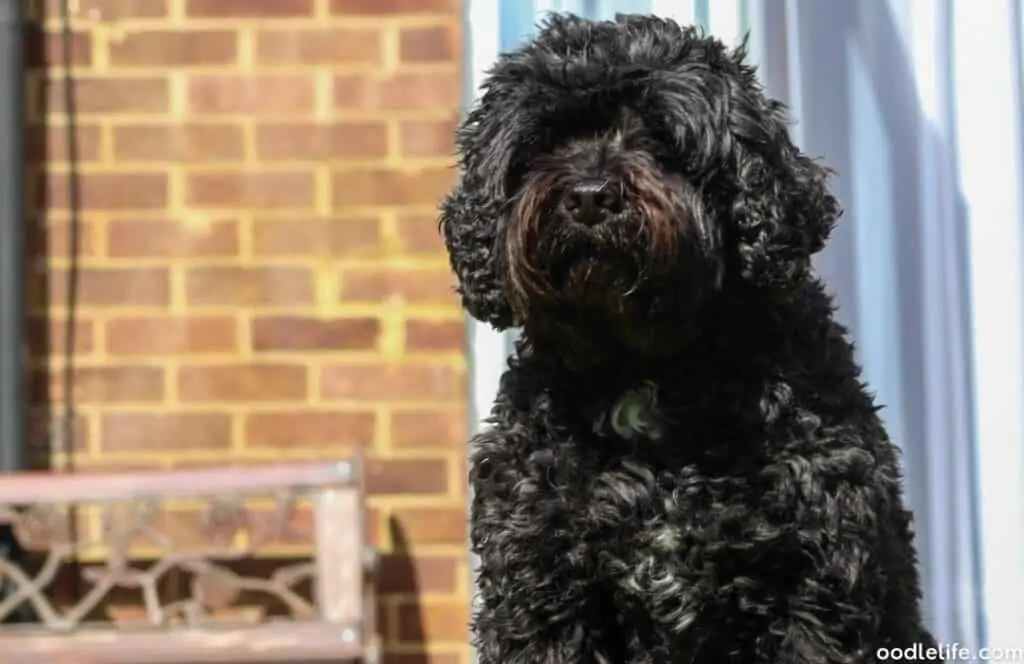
918,106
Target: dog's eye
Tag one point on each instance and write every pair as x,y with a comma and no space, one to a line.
517,171
665,157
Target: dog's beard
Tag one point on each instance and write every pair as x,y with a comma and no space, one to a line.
564,276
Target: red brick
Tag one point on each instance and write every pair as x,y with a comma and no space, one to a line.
306,236
412,91
427,138
365,186
164,432
111,384
47,336
431,525
271,285
406,476
433,285
406,574
462,472
242,383
169,48
395,6
434,622
295,333
106,96
248,8
117,462
391,657
435,429
105,191
170,336
179,143
303,428
249,286
324,46
283,141
113,287
424,335
46,49
52,240
111,10
47,433
131,238
430,44
264,189
395,383
256,96
373,530
49,145
419,234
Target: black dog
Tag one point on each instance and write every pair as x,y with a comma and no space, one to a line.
684,465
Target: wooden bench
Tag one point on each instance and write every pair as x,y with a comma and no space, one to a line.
61,518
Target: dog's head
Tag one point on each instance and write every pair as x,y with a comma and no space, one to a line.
616,176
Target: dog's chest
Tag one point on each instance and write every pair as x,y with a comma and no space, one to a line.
657,503
654,535
639,484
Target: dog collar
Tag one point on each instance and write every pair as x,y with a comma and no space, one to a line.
635,413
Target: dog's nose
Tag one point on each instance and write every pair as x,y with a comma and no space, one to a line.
593,201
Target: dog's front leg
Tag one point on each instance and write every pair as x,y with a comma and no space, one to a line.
826,523
498,640
533,599
530,610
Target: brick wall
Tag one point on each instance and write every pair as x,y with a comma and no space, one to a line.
260,271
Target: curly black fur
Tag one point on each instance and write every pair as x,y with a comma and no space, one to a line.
765,521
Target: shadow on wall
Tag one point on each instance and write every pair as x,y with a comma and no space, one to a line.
52,145
55,146
399,574
41,57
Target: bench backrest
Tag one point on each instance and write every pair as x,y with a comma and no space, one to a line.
198,598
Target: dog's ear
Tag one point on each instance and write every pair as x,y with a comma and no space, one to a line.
783,211
472,214
469,222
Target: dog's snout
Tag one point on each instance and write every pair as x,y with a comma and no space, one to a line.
592,202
